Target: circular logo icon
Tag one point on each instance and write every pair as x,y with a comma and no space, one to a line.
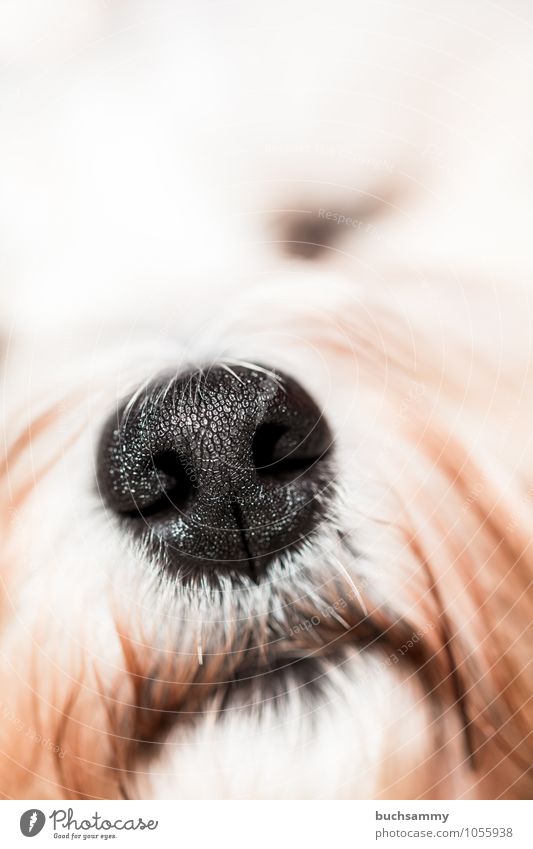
32,822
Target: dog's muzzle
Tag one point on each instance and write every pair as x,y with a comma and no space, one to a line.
223,468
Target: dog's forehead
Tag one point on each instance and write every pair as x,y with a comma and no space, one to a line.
154,146
151,143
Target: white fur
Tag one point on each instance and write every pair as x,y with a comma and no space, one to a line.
151,155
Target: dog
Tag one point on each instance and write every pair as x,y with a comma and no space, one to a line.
266,484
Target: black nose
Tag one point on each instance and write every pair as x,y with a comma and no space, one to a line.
225,468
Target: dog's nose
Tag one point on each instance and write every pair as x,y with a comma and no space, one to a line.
225,468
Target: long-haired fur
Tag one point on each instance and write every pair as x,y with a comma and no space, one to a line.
317,201
415,593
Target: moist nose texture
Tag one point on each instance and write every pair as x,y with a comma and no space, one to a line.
226,468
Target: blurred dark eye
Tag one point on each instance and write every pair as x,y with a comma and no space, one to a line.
312,233
305,235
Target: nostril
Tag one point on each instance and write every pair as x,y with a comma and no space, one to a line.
176,487
264,444
276,454
173,491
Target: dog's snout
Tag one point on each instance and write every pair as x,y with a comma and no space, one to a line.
224,468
